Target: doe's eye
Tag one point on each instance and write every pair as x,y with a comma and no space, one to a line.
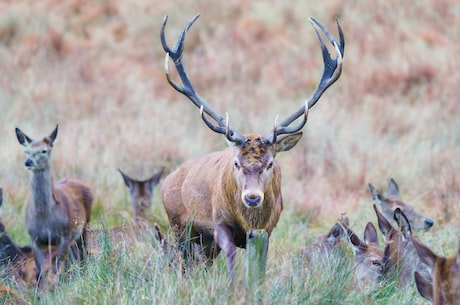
237,166
44,151
376,263
270,165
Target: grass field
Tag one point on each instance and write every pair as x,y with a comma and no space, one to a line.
96,69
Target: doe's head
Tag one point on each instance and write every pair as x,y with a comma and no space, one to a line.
38,152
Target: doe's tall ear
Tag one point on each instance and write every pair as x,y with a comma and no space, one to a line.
287,142
370,234
155,179
128,181
403,223
22,137
53,135
1,196
384,225
424,286
393,188
376,195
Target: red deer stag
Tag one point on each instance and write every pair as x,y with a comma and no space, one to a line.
445,272
218,198
393,201
57,213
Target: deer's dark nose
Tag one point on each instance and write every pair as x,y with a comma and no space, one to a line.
429,222
252,200
28,163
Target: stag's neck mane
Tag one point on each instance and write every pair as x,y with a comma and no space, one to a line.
42,191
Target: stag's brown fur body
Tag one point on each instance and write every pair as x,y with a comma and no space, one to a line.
203,197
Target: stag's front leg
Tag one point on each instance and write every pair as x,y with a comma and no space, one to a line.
224,239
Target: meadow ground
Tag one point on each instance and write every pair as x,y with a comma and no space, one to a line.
96,68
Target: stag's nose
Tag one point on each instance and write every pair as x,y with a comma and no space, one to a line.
252,200
429,223
28,163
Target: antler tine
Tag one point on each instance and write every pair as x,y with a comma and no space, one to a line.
187,88
332,71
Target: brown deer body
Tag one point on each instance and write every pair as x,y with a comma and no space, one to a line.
393,201
57,213
444,287
216,199
140,195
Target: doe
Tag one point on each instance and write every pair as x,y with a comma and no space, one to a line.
57,213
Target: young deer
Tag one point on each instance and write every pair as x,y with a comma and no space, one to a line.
140,194
399,257
368,256
393,201
445,273
57,213
217,199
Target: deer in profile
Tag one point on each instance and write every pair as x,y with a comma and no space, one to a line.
444,285
399,256
216,199
393,201
140,195
368,268
57,214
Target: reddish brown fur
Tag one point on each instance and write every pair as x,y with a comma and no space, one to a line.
57,214
207,193
445,273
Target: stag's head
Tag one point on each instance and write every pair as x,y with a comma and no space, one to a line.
254,155
38,152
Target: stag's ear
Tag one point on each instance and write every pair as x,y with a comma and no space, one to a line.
427,256
53,135
384,225
393,188
403,223
424,286
22,137
370,234
287,142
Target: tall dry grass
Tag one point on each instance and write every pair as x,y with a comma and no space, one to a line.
96,68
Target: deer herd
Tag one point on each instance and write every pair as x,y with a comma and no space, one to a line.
213,201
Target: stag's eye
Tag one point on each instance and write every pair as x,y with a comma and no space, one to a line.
237,166
44,151
270,165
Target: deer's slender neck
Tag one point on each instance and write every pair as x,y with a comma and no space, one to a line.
42,190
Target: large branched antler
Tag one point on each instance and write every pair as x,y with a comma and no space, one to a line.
331,72
221,125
